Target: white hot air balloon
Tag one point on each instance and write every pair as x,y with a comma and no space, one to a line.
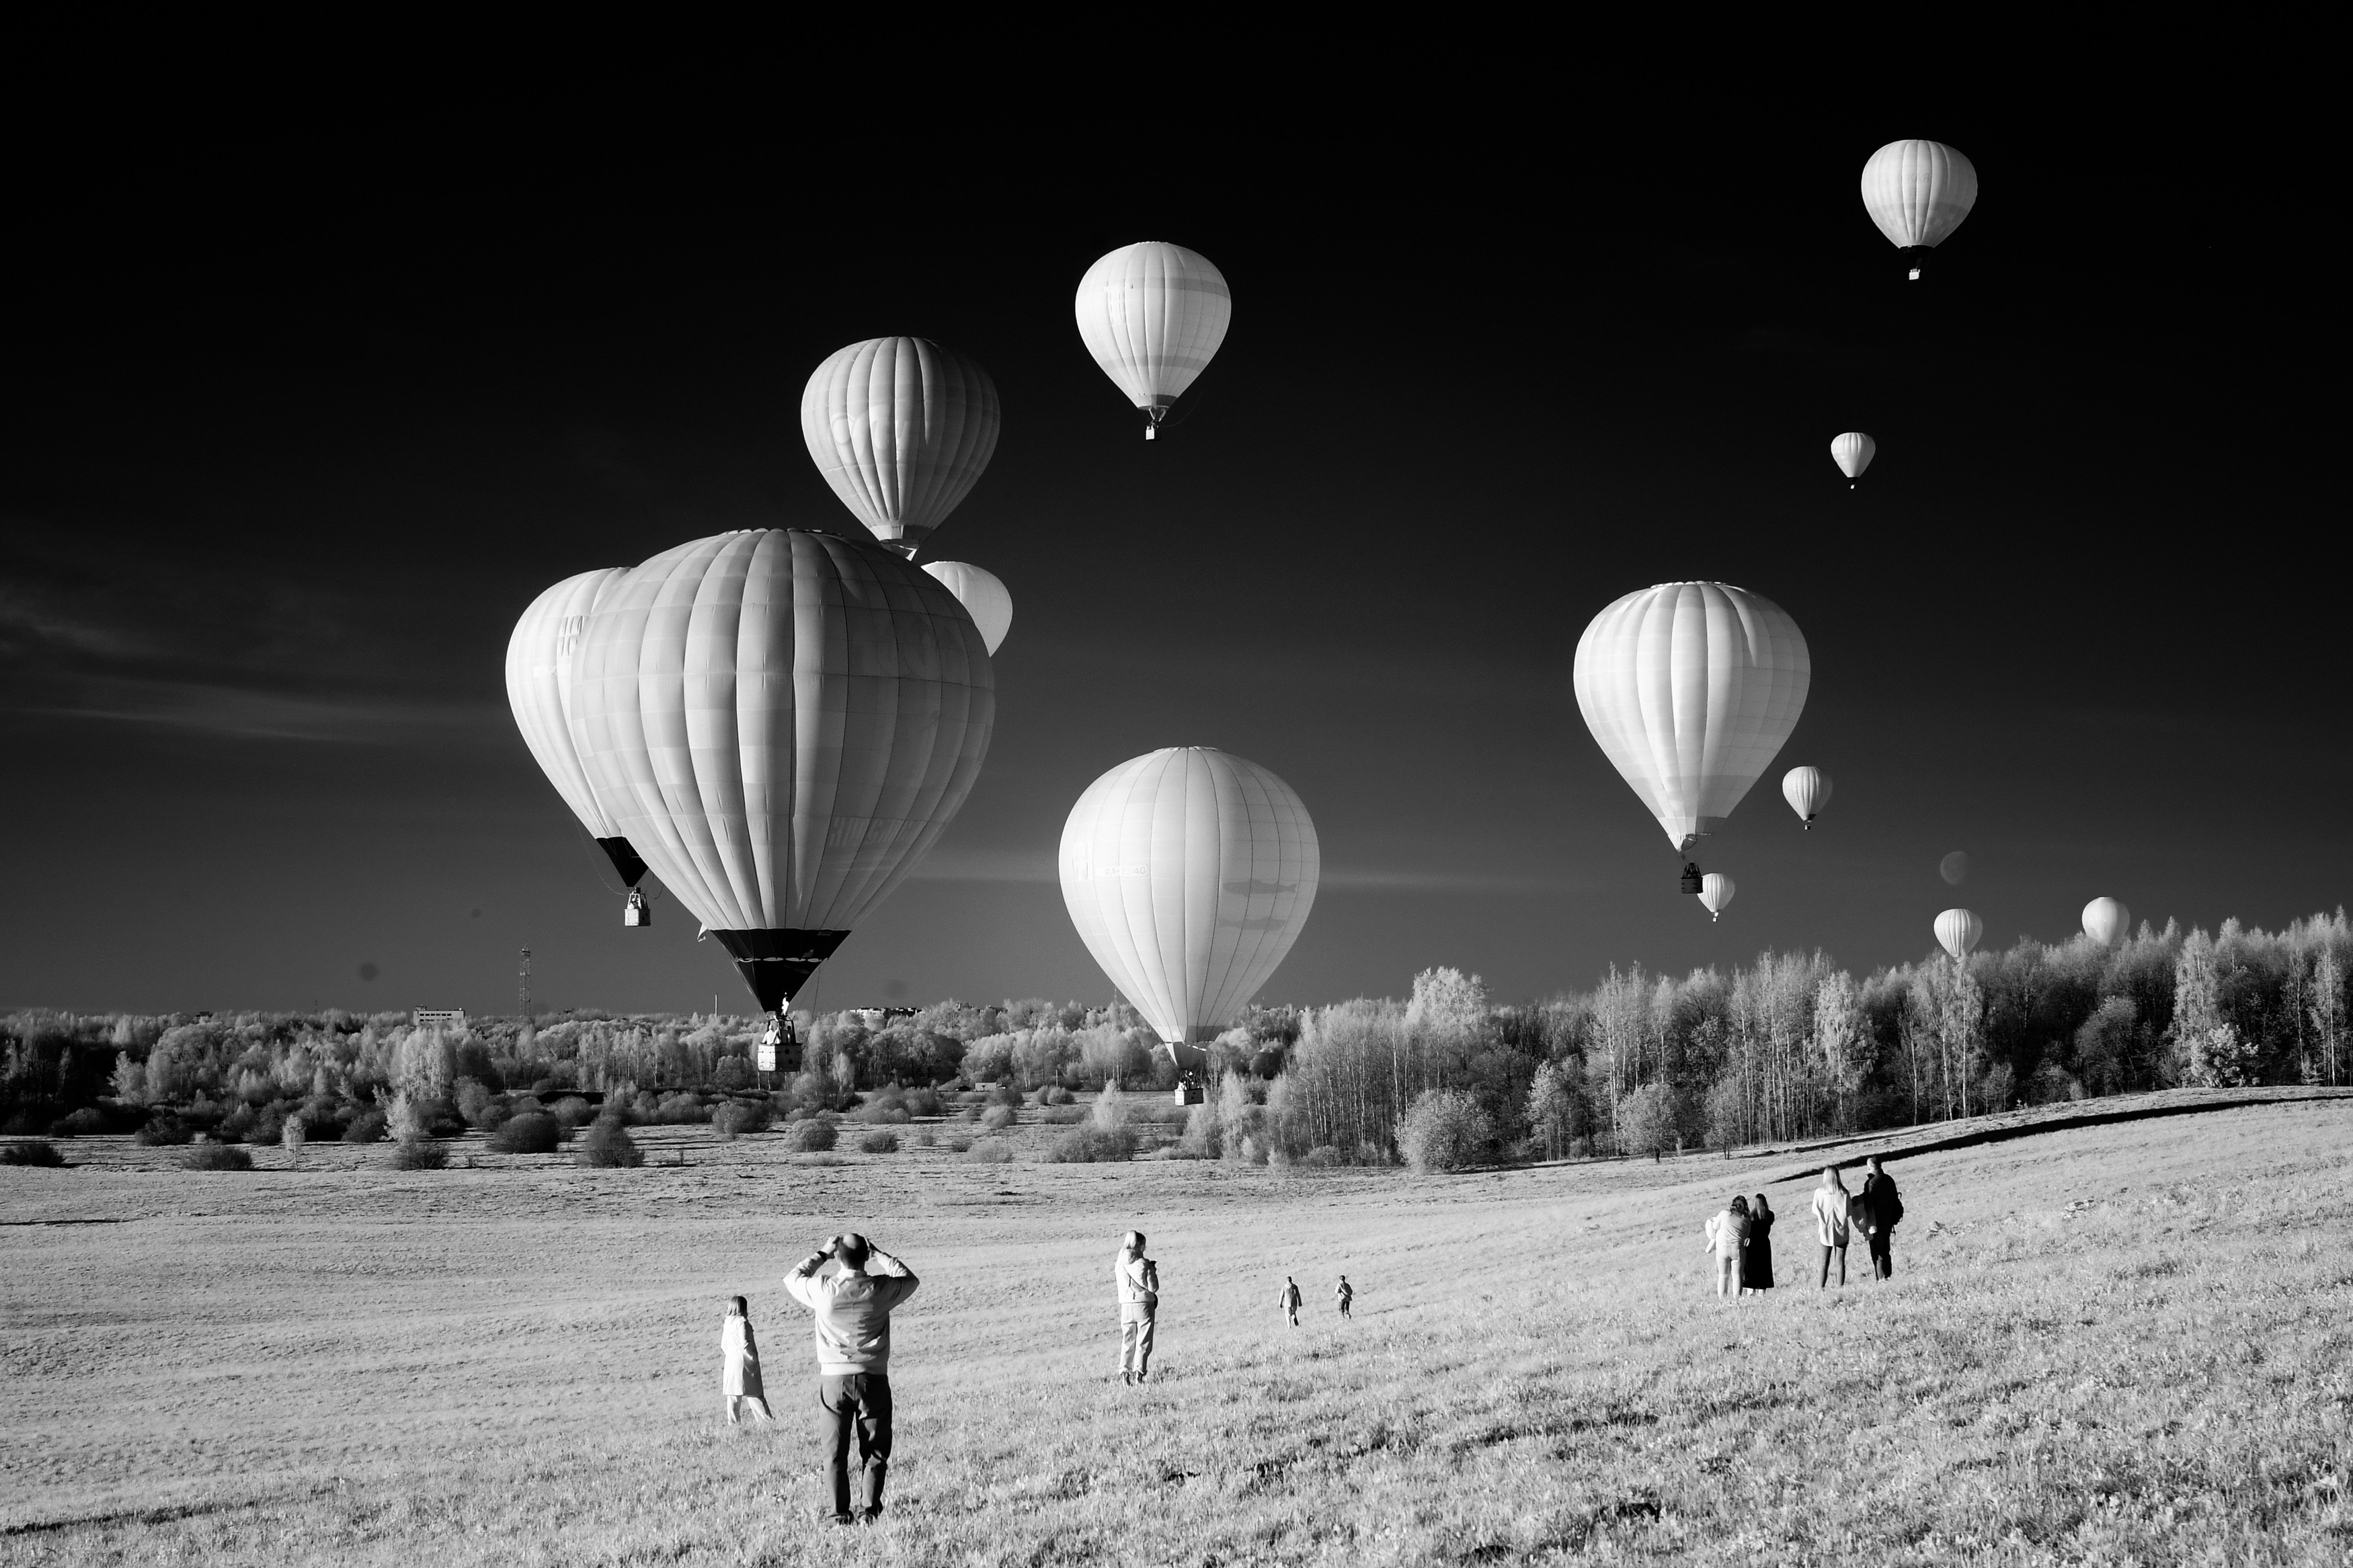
1716,891
783,722
1807,789
1852,453
1690,688
1152,315
1918,193
2107,921
1188,873
901,428
982,596
539,689
1957,931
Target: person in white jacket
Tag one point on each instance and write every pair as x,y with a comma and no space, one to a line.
1728,1237
1830,1200
1135,1282
739,1364
852,1309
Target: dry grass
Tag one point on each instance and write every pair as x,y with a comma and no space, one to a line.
2122,1344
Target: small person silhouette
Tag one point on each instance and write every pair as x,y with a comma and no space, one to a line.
1290,1300
1347,1294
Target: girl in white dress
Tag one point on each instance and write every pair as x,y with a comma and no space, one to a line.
738,1364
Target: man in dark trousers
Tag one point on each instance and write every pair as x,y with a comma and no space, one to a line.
852,1308
1346,1295
1881,1209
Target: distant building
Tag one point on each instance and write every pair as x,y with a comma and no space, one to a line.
880,1017
440,1017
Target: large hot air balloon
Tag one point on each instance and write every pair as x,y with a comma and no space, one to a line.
901,428
1852,453
982,596
1153,314
1690,688
1918,193
539,689
2107,921
1188,873
1957,930
783,722
1807,789
1716,891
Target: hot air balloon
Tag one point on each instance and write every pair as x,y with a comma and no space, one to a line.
1716,891
783,722
901,428
2107,921
1852,453
1690,688
982,596
1918,193
1152,315
1958,931
1807,789
539,689
1188,873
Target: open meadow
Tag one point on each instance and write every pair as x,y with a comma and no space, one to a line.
2125,1344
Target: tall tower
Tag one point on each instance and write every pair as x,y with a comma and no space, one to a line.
523,985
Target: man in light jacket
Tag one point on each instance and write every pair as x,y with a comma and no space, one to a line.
852,1309
1135,1282
1832,1201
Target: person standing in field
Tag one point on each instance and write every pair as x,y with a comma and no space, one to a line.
1881,1208
1757,1263
1831,1203
1290,1300
1728,1237
852,1310
739,1364
1346,1295
1135,1282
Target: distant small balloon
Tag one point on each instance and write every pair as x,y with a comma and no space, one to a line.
1716,891
2107,921
1807,789
369,971
1852,453
1958,931
477,914
1954,868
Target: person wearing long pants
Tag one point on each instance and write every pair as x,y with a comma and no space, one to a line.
1135,1284
852,1312
1832,1204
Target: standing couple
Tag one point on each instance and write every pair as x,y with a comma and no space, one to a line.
1874,1211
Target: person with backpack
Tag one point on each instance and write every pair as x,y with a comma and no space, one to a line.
1832,1205
1289,1300
1883,1209
1136,1283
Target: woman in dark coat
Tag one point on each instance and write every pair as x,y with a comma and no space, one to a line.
1757,1263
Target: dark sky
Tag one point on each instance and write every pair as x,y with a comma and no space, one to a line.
296,424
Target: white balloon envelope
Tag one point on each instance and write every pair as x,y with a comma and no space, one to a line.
1152,315
1690,689
982,594
539,689
1918,193
2107,921
1807,789
902,428
1958,932
1716,891
783,722
1188,873
1852,453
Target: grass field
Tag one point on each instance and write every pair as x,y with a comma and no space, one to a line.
2117,1344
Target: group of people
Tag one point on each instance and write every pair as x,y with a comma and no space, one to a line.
1740,1238
851,1308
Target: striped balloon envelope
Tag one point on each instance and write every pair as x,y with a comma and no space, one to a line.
902,428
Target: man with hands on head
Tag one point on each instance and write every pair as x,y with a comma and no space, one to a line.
852,1309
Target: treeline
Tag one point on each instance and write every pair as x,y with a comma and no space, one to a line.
1790,1047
